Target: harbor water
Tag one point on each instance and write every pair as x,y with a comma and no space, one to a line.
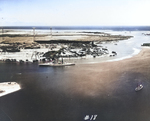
46,96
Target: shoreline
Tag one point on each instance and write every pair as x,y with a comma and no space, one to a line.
74,42
8,88
26,54
101,78
59,37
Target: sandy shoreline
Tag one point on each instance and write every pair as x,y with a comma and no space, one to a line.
8,87
100,78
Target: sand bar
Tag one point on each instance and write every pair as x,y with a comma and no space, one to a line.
8,87
99,78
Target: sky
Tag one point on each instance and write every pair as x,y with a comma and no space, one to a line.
74,12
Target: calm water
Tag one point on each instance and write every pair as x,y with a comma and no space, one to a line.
45,97
45,93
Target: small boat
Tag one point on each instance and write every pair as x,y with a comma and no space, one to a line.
139,87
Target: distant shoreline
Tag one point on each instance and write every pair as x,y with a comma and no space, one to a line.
114,28
58,37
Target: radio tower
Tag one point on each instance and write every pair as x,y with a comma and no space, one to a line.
33,33
51,31
2,34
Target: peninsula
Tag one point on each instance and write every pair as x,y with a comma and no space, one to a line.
36,46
